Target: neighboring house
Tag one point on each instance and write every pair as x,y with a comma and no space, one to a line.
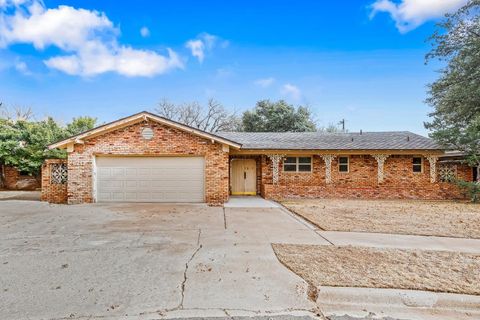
13,179
147,158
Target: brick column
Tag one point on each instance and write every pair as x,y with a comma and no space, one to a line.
275,158
328,158
52,190
380,161
432,159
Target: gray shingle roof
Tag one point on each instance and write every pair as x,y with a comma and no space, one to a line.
400,140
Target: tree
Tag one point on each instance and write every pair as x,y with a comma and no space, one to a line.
277,117
23,143
80,124
212,118
455,95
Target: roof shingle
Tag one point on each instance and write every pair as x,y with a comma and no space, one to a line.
396,140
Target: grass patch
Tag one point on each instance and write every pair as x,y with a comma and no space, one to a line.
349,266
433,218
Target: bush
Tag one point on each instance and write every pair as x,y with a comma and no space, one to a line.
472,188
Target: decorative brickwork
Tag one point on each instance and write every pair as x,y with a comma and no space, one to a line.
400,182
166,141
54,184
380,165
433,168
275,160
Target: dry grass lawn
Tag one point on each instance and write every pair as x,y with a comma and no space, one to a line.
349,266
434,218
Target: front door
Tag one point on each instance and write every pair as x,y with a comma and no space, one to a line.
243,173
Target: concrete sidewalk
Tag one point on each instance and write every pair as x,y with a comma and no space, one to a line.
250,202
383,240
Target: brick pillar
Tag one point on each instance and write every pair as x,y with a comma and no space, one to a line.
380,161
328,158
53,190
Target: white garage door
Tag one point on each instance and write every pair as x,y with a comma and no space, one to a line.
150,179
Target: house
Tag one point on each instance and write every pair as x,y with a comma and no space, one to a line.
147,158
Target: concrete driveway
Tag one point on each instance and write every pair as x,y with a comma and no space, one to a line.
147,261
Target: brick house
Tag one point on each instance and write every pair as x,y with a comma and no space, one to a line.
147,158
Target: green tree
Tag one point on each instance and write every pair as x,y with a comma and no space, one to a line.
23,143
277,117
455,95
80,124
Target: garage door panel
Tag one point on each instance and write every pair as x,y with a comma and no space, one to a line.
150,179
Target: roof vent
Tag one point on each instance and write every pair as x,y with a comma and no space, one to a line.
361,131
147,133
352,139
408,138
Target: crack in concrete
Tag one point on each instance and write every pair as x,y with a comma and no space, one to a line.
198,238
224,219
185,278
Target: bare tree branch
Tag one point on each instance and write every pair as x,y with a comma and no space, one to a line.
16,113
212,117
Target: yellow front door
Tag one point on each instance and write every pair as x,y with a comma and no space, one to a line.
243,173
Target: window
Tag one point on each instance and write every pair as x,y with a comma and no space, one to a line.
343,164
297,164
417,164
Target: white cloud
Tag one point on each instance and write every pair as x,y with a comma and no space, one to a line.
197,49
145,32
88,38
409,14
22,67
203,43
264,82
291,91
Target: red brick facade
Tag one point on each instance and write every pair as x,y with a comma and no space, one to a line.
51,191
361,180
400,182
166,141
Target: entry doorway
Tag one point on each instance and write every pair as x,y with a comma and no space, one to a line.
243,177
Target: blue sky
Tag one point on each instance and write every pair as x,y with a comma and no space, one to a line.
358,60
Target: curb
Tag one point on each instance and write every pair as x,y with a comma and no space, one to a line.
397,298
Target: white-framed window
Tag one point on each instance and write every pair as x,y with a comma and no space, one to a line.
343,164
417,164
297,164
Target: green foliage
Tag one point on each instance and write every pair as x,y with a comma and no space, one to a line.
80,124
471,188
277,117
23,144
455,96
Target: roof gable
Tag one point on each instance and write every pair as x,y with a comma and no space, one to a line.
141,116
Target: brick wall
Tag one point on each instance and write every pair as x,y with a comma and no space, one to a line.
52,192
166,141
400,182
13,180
